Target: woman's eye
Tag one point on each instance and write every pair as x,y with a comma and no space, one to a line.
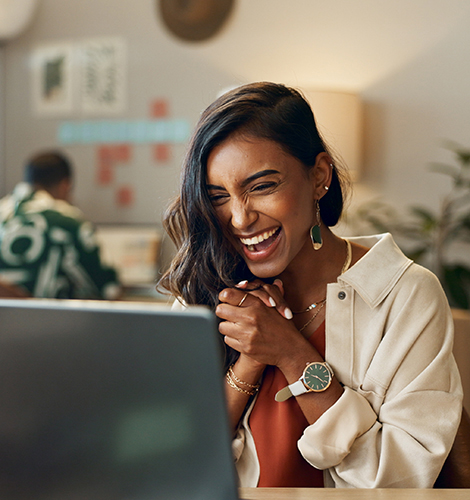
217,199
264,187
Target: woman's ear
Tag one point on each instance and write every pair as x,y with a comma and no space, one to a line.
321,174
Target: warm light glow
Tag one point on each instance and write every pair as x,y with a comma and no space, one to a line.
339,119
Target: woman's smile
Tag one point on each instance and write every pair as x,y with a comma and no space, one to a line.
261,246
250,242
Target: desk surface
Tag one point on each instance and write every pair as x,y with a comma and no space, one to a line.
351,494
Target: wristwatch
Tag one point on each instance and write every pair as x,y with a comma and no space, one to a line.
316,377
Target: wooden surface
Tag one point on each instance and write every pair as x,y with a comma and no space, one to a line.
351,494
462,350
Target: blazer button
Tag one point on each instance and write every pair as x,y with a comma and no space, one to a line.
341,295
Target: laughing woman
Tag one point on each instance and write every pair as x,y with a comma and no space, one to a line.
339,366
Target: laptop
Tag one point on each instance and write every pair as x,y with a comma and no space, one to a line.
111,401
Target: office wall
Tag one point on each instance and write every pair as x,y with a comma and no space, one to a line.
408,61
411,113
158,68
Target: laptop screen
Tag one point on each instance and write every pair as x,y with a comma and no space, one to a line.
111,401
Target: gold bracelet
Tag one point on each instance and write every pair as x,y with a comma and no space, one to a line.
230,369
232,384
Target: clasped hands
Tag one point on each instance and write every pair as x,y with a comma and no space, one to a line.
257,323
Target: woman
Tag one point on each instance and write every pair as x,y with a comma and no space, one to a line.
339,363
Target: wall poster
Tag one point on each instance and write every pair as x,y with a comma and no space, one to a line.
88,77
52,80
103,70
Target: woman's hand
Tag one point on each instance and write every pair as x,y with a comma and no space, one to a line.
271,295
257,322
258,325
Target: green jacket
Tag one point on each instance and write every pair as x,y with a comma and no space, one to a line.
48,249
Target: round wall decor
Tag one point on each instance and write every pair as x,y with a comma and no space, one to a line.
194,20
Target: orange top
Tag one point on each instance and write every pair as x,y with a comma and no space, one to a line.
277,427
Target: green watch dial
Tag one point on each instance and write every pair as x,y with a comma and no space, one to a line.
317,377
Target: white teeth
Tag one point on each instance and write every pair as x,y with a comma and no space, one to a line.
257,239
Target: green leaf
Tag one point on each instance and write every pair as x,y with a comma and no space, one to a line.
458,231
379,225
423,213
445,169
463,154
464,222
464,157
428,219
416,254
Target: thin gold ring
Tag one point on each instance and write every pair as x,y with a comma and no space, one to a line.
243,300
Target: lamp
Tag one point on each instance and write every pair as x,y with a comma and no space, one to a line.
339,118
15,16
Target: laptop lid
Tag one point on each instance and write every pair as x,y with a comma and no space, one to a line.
116,401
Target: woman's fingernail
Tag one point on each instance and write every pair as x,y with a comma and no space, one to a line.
288,313
277,280
244,282
271,301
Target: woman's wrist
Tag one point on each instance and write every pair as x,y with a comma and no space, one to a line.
293,363
240,385
248,370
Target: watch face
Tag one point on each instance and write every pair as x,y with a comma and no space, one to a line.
317,377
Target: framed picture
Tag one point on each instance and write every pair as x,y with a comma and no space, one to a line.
52,79
103,70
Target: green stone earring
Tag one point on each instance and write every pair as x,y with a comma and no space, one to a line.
315,233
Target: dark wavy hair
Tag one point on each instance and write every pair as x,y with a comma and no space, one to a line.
205,261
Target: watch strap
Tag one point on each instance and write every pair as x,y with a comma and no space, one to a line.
283,395
295,389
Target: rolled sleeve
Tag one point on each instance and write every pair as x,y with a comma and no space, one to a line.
329,440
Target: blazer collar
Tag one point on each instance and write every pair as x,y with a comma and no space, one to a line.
375,274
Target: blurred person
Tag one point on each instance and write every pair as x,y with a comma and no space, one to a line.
47,247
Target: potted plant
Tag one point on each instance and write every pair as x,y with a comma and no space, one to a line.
440,239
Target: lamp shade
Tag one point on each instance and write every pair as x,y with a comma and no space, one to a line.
339,118
15,15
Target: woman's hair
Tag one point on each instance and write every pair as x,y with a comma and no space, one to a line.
206,262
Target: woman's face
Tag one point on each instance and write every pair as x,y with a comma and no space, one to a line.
265,200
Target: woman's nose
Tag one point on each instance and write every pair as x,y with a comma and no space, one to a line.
243,215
